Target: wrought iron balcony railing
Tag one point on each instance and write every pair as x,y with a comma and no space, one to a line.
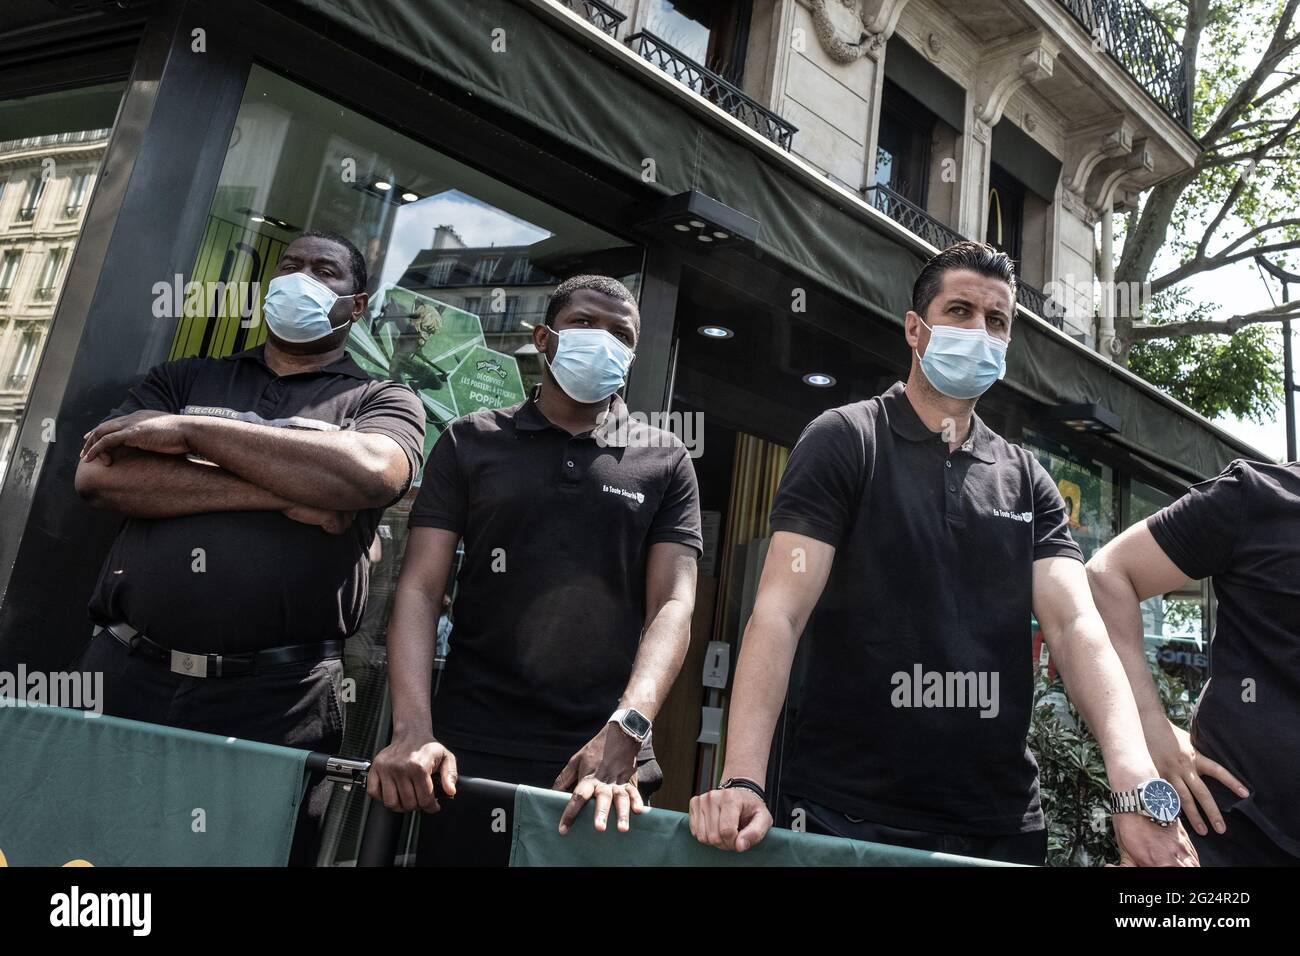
16,380
44,294
913,218
712,87
1139,42
26,213
916,220
601,15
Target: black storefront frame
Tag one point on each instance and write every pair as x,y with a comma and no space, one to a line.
170,140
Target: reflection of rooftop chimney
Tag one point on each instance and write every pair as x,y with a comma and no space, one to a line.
446,237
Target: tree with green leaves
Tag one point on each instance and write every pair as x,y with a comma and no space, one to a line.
1238,201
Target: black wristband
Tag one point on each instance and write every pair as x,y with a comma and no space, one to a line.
744,784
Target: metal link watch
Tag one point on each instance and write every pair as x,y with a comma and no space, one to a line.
1156,799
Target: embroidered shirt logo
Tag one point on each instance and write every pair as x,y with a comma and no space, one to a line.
1014,515
637,496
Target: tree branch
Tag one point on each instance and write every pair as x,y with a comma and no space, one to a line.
1145,332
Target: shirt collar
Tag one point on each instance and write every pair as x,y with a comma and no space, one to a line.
904,421
343,365
612,429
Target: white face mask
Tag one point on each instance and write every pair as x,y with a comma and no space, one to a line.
297,308
589,364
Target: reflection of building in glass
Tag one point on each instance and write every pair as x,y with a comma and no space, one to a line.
45,183
499,284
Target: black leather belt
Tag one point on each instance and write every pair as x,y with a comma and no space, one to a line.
220,665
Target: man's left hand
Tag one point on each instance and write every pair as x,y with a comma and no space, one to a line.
147,430
1142,842
604,769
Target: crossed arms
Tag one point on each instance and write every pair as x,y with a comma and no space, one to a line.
135,465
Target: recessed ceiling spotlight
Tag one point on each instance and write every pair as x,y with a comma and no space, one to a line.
409,197
704,238
382,185
819,380
697,223
682,227
715,332
721,235
257,218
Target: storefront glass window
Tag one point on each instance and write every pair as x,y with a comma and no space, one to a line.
1087,487
51,147
1173,624
461,267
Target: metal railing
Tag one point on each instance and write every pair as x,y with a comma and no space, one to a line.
26,213
714,88
916,220
913,218
1136,39
600,15
44,293
16,380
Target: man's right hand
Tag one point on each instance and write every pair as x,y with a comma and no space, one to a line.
733,819
334,522
1178,762
401,775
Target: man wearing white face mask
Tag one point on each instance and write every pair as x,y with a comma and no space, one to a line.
581,531
252,487
911,543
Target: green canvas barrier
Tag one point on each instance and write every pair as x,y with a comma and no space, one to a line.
663,838
113,792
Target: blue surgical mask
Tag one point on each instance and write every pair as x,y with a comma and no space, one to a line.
297,308
963,363
589,364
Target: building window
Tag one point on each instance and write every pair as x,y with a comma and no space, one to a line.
76,195
1006,212
486,269
9,272
28,348
713,33
31,198
440,274
903,144
48,286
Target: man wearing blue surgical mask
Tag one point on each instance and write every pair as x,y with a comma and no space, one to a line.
252,486
581,529
911,543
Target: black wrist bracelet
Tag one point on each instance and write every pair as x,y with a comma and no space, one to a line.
744,784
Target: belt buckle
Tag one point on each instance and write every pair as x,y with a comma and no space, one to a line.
189,665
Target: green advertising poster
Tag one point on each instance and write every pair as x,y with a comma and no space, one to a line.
440,352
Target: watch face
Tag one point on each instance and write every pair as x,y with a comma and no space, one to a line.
1161,801
636,723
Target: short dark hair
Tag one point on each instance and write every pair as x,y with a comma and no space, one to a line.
973,256
360,277
602,284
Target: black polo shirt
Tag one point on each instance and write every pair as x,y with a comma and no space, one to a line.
1242,530
265,580
933,575
551,597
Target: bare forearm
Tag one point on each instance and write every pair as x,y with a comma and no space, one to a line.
142,484
659,658
1096,682
1120,609
342,471
412,633
762,676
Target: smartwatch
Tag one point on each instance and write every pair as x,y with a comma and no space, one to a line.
632,722
1156,799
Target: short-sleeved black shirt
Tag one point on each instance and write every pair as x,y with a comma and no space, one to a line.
551,596
266,580
930,593
1242,530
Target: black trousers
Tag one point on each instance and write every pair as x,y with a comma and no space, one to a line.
1029,848
294,705
476,831
1244,844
